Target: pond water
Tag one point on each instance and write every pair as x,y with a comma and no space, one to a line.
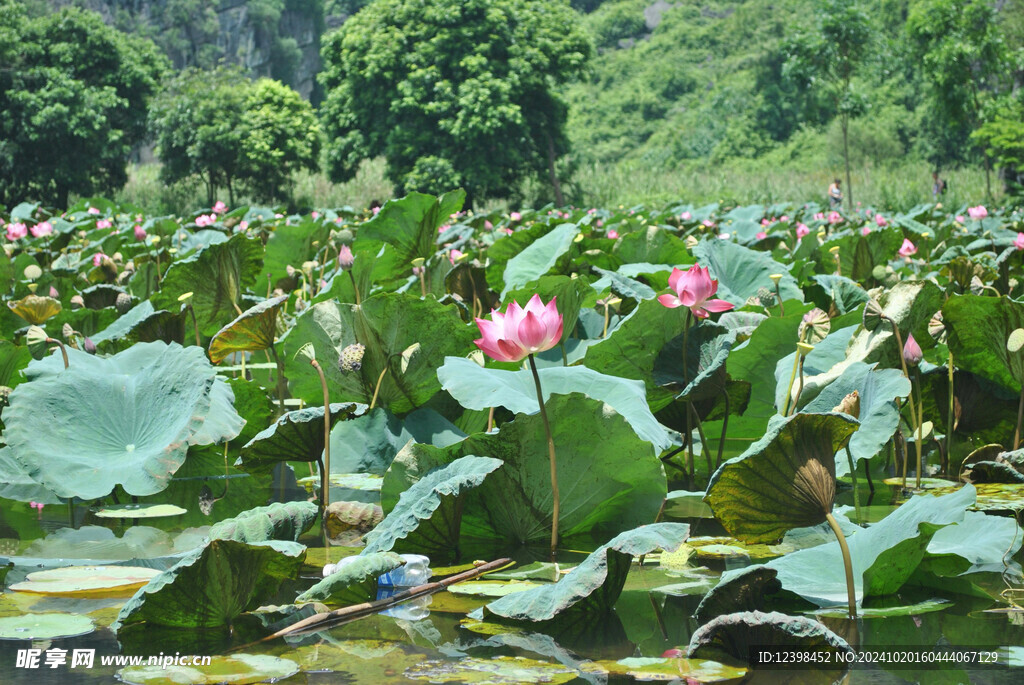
435,641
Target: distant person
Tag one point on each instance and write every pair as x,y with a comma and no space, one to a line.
835,194
938,185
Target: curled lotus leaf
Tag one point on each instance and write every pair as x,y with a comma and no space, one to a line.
295,436
730,637
744,589
354,582
35,309
252,331
784,480
277,521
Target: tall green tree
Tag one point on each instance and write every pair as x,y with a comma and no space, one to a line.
828,57
452,92
962,59
74,95
234,133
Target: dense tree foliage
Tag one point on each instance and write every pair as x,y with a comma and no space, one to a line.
452,92
73,99
234,133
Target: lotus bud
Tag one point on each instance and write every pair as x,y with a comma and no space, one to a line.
68,332
77,302
54,294
765,297
849,405
912,353
345,258
1016,340
89,346
290,270
123,303
32,272
351,358
873,315
35,336
776,278
814,326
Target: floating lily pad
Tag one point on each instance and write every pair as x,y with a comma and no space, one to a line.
86,581
926,483
491,588
719,548
992,496
925,607
731,636
502,670
353,481
44,626
238,669
647,669
140,511
538,570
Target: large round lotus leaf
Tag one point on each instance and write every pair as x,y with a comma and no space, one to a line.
35,309
142,324
139,511
498,670
410,224
13,358
237,669
126,420
254,330
216,276
296,436
978,329
741,271
16,484
730,637
784,480
87,581
44,626
492,588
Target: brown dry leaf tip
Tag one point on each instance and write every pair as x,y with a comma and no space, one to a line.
849,405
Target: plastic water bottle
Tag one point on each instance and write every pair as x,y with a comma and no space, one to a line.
416,571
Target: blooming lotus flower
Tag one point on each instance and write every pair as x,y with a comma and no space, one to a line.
376,211
219,208
243,225
907,248
865,230
912,353
783,218
723,236
515,216
802,230
520,331
455,255
599,223
314,214
98,258
1018,242
765,222
16,230
959,218
488,225
93,210
140,233
693,289
880,220
834,217
978,212
761,235
104,223
685,216
613,234
820,216
41,229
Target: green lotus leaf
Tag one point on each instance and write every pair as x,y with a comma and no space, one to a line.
142,323
630,351
741,271
470,283
504,249
295,436
217,276
86,581
623,286
978,329
35,309
369,443
845,293
13,358
537,258
102,295
884,555
707,350
254,405
476,387
213,585
609,479
879,416
292,244
426,519
731,637
980,542
993,472
784,480
125,420
653,245
252,331
739,590
592,588
570,295
925,607
51,626
410,224
16,484
355,582
277,521
859,254
238,669
826,354
387,324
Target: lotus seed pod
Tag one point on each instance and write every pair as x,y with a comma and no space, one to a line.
67,331
775,278
351,358
344,236
765,297
803,349
1016,340
32,272
873,315
814,327
77,302
123,303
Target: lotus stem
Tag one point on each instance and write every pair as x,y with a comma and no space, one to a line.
325,470
269,286
800,384
949,417
551,458
847,563
423,281
565,360
792,380
920,427
280,378
704,448
380,380
490,419
725,427
690,468
64,353
910,400
1020,415
853,478
778,296
604,331
355,288
867,475
195,324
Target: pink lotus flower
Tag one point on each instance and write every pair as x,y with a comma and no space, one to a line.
104,223
765,222
140,233
206,220
219,207
455,255
243,225
693,289
801,230
345,258
908,248
978,212
1018,242
16,230
442,229
685,216
599,223
38,506
865,230
783,218
488,225
41,229
834,217
314,214
520,331
880,220
506,231
613,234
376,211
515,216
912,353
708,223
762,235
54,293
98,258
820,216
959,218
93,210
